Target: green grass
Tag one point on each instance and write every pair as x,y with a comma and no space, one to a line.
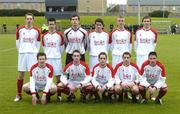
168,49
12,21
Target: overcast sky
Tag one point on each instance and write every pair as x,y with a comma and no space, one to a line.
116,1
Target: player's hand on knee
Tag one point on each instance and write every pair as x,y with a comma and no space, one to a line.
43,99
34,99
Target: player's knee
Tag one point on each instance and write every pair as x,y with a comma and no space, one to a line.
60,85
141,88
135,90
165,89
53,89
117,88
26,88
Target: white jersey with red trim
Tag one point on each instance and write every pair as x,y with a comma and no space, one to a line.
76,74
145,41
75,40
41,78
153,75
103,77
127,74
121,41
98,42
53,44
28,40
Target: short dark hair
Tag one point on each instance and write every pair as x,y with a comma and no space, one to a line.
146,17
74,15
152,53
29,14
52,19
76,51
40,54
102,53
100,21
126,53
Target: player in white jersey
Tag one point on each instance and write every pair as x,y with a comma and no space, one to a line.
76,75
153,79
126,77
75,39
121,41
103,78
98,42
27,44
145,41
53,45
41,80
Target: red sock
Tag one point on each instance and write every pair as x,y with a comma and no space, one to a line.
19,87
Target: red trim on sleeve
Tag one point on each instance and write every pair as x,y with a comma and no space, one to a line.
94,69
143,65
61,37
110,40
135,66
67,66
39,33
130,36
33,93
112,71
86,66
32,68
155,32
17,32
51,70
43,38
117,66
163,72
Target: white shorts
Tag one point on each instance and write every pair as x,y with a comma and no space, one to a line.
26,87
116,59
73,83
93,60
57,65
140,59
25,61
146,86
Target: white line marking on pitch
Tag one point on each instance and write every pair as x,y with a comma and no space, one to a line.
6,50
8,66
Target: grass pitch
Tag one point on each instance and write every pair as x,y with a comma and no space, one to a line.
168,49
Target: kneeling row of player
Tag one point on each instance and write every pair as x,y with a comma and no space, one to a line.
104,79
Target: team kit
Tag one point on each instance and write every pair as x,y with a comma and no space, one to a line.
97,80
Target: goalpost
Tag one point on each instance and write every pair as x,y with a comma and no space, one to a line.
163,27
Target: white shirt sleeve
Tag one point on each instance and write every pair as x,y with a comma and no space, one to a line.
48,84
130,48
110,83
32,84
94,82
86,80
63,79
143,81
117,79
38,45
61,49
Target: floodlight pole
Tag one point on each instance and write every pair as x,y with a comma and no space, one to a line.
139,13
163,7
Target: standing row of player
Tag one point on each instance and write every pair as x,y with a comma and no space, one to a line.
76,38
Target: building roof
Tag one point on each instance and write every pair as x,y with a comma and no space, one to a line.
155,2
22,1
